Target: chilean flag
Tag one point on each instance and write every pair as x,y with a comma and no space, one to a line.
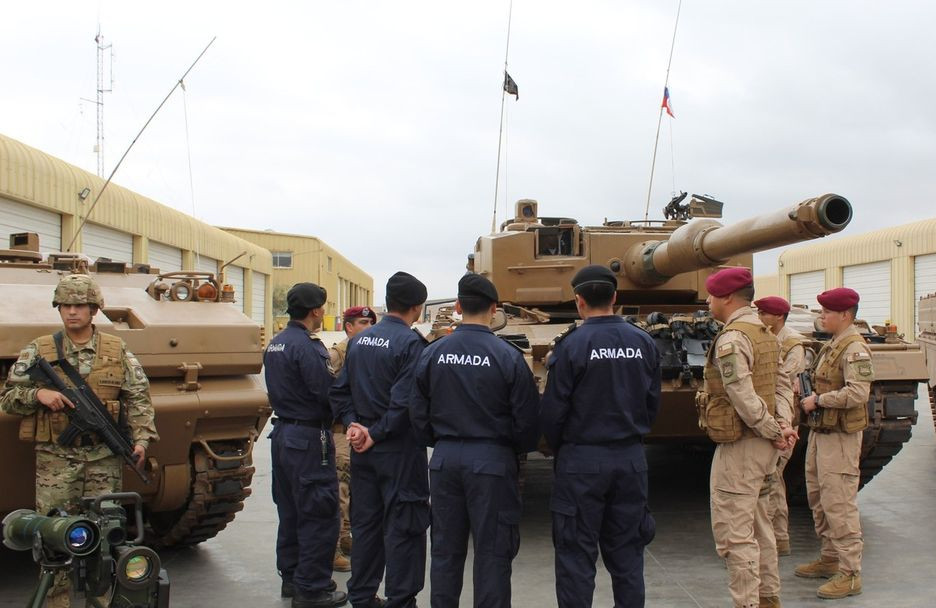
666,102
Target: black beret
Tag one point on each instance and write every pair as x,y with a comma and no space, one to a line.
305,296
405,289
475,286
594,275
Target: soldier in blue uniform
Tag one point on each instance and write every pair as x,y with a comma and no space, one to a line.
475,400
305,482
602,395
389,479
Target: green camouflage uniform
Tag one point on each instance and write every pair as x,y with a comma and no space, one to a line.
65,474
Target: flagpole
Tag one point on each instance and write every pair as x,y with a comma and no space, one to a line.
656,141
500,132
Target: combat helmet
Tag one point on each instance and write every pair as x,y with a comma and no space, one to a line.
77,289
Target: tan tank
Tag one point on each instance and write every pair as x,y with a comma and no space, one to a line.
203,358
661,268
927,339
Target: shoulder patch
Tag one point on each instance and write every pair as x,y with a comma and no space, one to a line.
568,330
859,356
724,350
315,337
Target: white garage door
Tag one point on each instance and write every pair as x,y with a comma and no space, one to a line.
873,284
164,257
205,264
17,217
102,242
805,286
924,271
258,297
235,276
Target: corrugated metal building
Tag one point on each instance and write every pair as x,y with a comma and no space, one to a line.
298,258
43,194
891,268
766,285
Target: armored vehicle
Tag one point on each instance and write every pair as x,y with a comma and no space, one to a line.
203,359
927,339
661,268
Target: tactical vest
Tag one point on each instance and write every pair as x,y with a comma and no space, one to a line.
789,344
105,380
828,376
717,416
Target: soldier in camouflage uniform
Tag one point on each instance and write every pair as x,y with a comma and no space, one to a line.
66,473
354,321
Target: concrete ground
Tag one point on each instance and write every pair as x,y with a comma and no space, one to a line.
237,567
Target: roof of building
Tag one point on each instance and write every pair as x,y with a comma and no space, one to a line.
912,239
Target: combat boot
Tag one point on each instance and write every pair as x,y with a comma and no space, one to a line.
341,563
839,586
783,547
344,543
288,589
772,601
322,599
820,568
376,602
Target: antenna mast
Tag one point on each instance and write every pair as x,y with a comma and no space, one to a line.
102,48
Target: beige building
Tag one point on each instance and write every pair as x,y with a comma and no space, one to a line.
43,194
766,285
890,268
298,258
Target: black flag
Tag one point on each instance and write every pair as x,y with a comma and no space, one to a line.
510,86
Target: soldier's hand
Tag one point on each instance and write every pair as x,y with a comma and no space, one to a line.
357,434
788,438
367,444
139,455
809,403
53,400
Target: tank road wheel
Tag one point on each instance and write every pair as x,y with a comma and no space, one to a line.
218,491
892,413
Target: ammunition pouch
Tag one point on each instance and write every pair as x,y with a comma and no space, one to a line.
828,420
718,418
45,426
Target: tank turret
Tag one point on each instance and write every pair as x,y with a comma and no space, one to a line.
533,258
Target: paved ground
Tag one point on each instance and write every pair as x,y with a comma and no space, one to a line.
897,508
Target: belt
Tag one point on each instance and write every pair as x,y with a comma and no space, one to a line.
310,423
480,441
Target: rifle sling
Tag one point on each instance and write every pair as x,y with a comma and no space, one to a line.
77,381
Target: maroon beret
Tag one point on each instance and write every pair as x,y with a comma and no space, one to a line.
773,305
726,282
356,312
839,299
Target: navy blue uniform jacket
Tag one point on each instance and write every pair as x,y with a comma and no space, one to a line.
473,385
373,387
297,375
603,385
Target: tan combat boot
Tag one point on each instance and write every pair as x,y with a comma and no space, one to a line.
820,568
783,547
841,585
341,563
769,602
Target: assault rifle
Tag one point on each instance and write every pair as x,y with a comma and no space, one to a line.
89,414
806,389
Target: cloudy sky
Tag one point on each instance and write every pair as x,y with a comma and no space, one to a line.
374,124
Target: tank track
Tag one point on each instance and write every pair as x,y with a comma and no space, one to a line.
892,416
218,490
932,400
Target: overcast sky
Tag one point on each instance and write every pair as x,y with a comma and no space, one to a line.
373,125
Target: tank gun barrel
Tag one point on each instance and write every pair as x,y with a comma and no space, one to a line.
706,243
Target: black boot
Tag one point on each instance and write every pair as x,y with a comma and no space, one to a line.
376,602
322,599
288,590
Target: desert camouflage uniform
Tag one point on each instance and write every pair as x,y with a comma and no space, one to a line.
64,474
793,364
342,457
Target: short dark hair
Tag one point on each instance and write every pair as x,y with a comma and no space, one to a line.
474,306
597,295
397,306
298,314
854,311
746,293
786,315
